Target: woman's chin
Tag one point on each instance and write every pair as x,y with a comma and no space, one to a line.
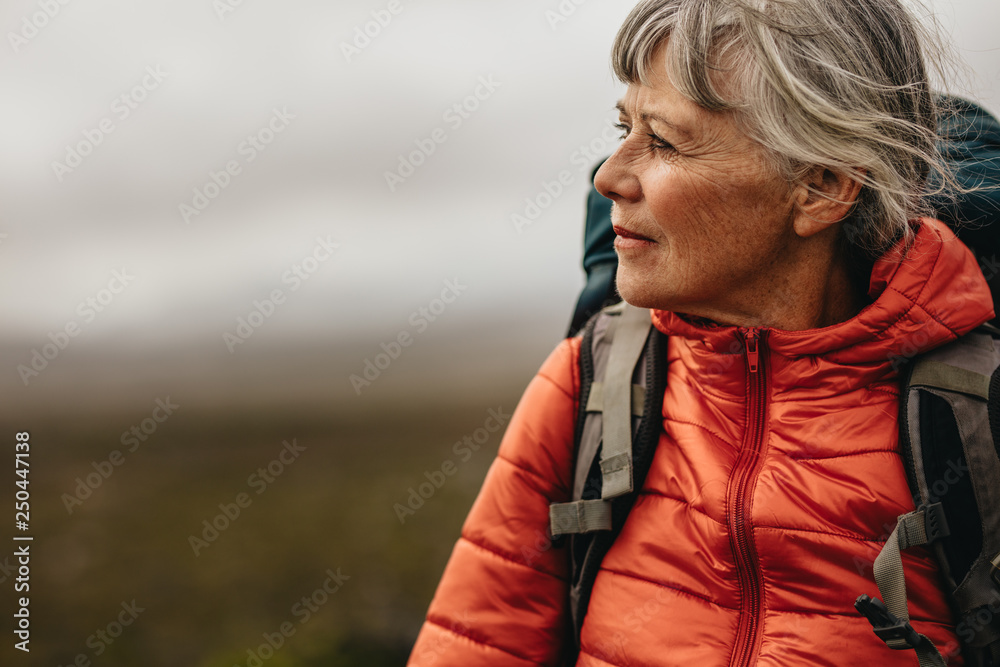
638,292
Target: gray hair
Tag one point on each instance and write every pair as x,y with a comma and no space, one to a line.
840,84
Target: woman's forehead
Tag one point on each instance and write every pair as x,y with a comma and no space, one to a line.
658,85
662,103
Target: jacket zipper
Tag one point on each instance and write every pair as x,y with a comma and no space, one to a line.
741,500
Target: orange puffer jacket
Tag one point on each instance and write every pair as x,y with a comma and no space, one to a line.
769,496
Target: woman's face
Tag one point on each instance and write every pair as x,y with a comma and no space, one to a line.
701,220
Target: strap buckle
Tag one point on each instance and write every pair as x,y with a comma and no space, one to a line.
935,522
896,633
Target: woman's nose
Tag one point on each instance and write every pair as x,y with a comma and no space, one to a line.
615,179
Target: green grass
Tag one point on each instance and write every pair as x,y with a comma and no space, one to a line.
331,508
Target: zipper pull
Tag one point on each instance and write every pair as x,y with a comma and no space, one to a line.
751,341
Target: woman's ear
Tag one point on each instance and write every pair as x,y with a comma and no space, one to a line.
824,197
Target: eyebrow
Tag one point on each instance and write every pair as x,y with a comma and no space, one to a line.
645,116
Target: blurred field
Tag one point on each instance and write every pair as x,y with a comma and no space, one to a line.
330,509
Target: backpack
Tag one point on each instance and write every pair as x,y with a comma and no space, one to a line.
949,431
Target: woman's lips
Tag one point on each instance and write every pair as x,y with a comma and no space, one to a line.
625,239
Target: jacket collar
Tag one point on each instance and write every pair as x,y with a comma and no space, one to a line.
923,297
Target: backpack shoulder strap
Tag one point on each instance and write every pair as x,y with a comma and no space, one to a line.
622,379
612,396
949,448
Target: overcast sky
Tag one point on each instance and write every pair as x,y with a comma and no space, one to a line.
161,94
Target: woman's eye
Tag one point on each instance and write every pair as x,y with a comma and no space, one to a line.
655,142
658,144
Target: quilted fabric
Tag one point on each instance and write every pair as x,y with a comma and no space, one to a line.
768,499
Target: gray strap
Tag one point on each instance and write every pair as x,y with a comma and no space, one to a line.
595,403
889,564
581,516
927,653
602,335
910,531
616,452
944,376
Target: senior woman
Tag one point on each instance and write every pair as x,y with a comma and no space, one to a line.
767,209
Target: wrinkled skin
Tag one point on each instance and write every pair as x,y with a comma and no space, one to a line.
725,236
